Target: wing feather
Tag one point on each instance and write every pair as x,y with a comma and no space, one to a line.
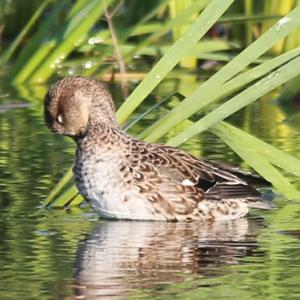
175,181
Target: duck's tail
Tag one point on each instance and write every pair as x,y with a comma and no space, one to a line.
238,192
260,204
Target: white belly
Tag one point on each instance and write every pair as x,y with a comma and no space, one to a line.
104,187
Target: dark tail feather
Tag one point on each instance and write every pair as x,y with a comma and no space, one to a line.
250,178
238,192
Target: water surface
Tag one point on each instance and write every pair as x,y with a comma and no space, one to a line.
71,254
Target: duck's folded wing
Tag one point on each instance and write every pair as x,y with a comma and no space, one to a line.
216,180
189,170
248,177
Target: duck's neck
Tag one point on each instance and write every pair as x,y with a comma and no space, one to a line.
99,119
103,134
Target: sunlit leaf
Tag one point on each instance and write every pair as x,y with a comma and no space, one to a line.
260,88
259,156
193,103
181,47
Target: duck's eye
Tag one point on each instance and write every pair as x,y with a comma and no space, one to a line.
60,119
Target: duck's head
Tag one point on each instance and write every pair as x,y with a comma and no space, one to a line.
74,104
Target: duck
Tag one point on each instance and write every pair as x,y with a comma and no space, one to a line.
123,177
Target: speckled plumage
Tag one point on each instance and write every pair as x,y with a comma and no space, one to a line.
125,178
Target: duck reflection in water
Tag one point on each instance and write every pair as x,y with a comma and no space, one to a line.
119,256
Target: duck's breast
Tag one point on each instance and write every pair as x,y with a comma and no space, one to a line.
99,179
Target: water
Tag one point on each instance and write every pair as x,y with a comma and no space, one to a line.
71,254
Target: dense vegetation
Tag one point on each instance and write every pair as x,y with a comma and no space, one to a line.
253,47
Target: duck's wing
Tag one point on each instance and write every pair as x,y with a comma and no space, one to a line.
189,170
216,180
178,185
246,176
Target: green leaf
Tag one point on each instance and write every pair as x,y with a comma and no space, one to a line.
66,197
23,66
122,36
70,37
17,41
260,88
285,161
192,103
181,48
260,156
59,187
181,19
151,135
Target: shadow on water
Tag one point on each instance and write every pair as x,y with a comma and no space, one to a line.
118,257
